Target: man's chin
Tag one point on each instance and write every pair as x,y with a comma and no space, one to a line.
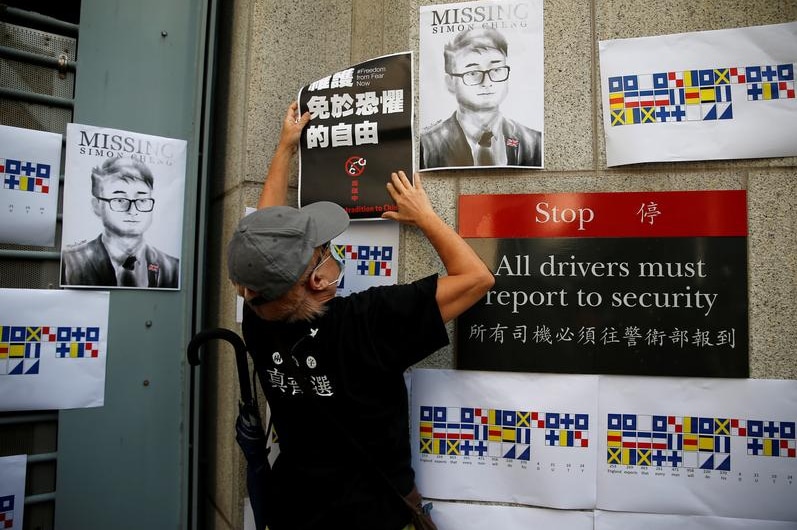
128,233
483,106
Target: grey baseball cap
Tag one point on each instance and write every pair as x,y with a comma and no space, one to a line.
272,247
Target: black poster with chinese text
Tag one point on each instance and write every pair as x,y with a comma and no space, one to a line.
360,131
649,283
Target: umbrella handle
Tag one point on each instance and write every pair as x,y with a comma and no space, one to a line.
227,335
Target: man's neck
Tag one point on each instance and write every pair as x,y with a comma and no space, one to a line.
477,121
119,247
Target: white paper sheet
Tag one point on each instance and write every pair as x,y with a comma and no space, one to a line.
30,170
651,521
505,437
518,98
52,349
709,95
12,491
361,130
85,215
470,516
721,447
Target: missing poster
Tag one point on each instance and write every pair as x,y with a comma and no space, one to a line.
123,209
481,85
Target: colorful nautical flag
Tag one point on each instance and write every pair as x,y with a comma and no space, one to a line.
738,427
25,175
665,97
692,441
500,433
614,439
367,260
22,347
7,511
788,448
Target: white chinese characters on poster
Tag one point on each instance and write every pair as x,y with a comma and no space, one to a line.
52,356
710,95
721,447
123,209
30,168
12,491
369,252
481,84
360,132
505,437
469,516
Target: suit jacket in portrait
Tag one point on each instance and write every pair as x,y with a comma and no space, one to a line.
445,145
90,264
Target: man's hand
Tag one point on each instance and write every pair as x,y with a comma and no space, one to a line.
468,278
414,207
292,126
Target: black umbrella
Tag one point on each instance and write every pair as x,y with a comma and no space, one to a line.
249,432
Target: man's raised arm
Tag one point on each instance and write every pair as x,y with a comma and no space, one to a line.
468,278
275,187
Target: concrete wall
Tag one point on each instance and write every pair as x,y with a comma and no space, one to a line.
269,49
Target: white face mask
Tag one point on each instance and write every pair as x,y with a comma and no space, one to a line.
338,260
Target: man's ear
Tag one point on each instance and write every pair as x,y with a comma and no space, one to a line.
450,80
316,282
96,207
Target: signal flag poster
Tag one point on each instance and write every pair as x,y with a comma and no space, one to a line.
360,132
12,491
369,253
714,448
708,95
52,356
30,170
723,447
505,437
638,283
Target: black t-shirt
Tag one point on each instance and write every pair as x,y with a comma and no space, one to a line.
339,376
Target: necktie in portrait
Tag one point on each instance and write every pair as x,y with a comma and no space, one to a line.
484,153
128,277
